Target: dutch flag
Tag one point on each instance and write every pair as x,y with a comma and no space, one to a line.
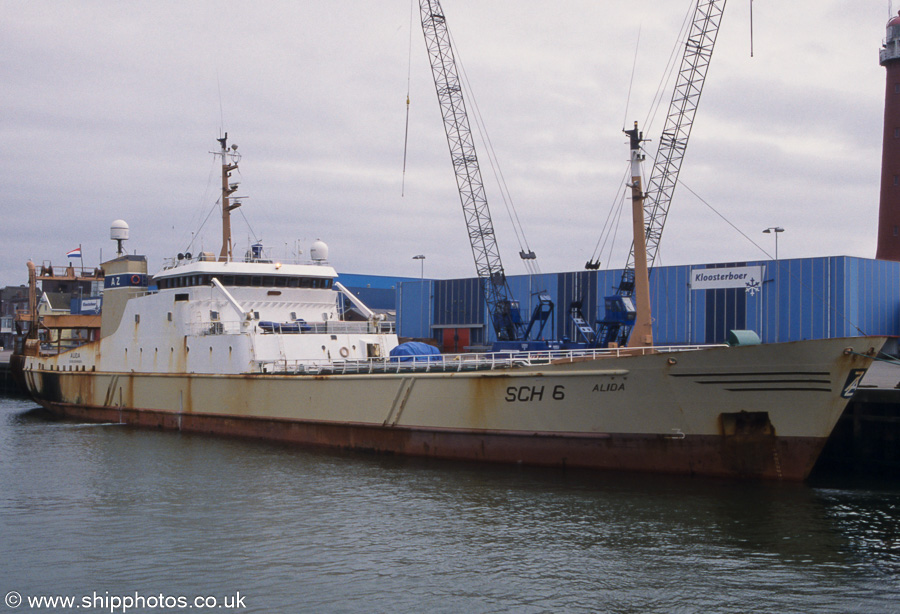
75,253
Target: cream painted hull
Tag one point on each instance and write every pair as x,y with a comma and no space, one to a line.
756,411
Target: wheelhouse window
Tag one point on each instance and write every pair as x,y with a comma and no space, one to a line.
256,281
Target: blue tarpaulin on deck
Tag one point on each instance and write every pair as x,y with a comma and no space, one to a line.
414,350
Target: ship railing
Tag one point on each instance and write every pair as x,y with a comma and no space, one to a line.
443,363
332,327
175,262
336,327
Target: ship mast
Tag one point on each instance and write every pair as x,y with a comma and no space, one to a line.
229,163
673,143
642,333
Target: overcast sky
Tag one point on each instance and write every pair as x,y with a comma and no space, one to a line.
110,110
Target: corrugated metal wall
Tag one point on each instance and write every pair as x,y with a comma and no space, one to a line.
458,302
579,286
415,309
806,298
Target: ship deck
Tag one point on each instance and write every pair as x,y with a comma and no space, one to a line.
456,363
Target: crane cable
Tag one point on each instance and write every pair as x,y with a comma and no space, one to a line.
408,77
831,306
528,256
637,45
670,70
618,202
525,251
607,234
751,28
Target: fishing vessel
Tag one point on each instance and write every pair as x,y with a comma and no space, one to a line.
255,347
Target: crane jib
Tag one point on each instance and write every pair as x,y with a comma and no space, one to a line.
698,50
505,317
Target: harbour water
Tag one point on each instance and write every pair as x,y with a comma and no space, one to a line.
109,513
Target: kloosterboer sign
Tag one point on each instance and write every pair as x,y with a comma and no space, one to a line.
749,277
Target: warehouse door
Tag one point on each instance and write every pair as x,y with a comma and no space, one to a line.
454,340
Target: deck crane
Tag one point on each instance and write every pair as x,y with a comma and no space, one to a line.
503,309
698,50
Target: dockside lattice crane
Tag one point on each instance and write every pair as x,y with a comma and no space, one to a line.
504,311
698,50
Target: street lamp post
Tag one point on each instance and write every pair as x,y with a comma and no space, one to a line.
421,259
777,230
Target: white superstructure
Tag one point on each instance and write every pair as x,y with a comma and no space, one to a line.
205,316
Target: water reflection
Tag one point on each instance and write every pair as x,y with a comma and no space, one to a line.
156,511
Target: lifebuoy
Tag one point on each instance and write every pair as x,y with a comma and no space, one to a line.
345,352
135,280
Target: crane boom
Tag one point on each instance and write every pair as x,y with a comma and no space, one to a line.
698,50
504,311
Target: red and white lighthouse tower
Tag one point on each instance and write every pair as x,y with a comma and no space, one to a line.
889,208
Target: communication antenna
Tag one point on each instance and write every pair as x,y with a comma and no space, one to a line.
118,232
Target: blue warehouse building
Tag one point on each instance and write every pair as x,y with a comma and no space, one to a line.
378,292
783,300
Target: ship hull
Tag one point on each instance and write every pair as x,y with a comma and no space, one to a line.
755,412
764,457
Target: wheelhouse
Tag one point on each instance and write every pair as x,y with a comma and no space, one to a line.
248,281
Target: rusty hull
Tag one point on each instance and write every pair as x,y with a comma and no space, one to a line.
751,412
777,458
